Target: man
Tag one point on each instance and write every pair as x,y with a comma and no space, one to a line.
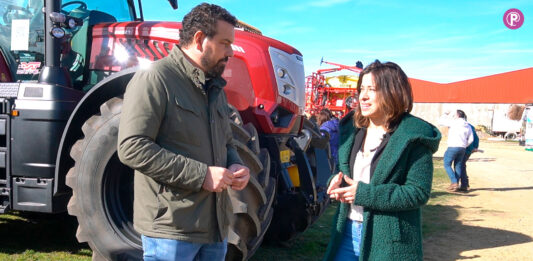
459,137
473,147
174,131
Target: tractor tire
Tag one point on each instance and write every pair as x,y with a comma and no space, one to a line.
252,206
510,136
102,189
102,198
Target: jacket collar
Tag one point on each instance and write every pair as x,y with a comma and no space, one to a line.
409,130
347,133
194,73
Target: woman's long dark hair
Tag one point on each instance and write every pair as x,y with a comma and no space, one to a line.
393,93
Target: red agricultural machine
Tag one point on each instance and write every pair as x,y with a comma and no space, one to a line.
64,66
334,92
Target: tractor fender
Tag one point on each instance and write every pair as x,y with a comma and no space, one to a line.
89,105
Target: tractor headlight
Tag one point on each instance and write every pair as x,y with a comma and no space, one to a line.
72,23
57,32
281,72
290,76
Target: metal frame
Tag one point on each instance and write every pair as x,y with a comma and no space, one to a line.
317,91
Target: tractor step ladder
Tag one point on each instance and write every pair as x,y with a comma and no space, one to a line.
5,182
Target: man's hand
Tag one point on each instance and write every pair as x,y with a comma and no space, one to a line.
241,176
217,179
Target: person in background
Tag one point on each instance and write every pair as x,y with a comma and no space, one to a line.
386,171
331,126
175,133
473,147
351,103
323,116
459,137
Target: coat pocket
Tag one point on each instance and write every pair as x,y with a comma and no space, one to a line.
185,104
395,228
184,212
162,207
388,225
185,123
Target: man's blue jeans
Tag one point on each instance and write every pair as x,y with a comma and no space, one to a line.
454,155
162,249
351,241
464,177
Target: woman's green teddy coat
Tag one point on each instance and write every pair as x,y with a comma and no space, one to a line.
400,184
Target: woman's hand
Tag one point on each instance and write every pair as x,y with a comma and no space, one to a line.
344,194
335,184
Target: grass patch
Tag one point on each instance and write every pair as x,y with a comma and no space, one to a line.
437,217
35,236
310,245
441,181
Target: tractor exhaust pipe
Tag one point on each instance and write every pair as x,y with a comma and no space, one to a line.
53,72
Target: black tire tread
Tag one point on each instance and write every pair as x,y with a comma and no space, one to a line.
107,111
253,205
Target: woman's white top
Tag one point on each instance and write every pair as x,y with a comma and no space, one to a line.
361,167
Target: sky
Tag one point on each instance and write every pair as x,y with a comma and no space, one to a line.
440,41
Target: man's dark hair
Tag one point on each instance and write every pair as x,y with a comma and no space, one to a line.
203,17
461,114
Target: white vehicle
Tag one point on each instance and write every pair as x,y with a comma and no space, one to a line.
505,127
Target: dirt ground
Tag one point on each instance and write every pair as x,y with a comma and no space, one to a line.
494,221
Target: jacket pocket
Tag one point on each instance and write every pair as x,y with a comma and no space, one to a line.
185,104
185,123
162,208
183,212
388,226
396,229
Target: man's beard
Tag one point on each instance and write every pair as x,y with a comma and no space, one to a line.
213,68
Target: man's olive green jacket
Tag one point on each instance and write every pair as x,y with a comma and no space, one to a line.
174,124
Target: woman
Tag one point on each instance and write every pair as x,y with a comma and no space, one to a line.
330,124
323,116
386,170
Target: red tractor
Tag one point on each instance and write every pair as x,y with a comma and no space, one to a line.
336,93
64,66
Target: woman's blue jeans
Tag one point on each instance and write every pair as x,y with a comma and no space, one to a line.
351,241
454,155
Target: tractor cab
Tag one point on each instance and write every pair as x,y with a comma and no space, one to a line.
22,38
23,35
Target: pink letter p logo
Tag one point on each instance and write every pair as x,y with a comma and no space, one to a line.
513,18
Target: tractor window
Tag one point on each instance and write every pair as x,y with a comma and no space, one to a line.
22,36
118,9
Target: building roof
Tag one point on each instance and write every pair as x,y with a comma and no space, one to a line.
508,87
